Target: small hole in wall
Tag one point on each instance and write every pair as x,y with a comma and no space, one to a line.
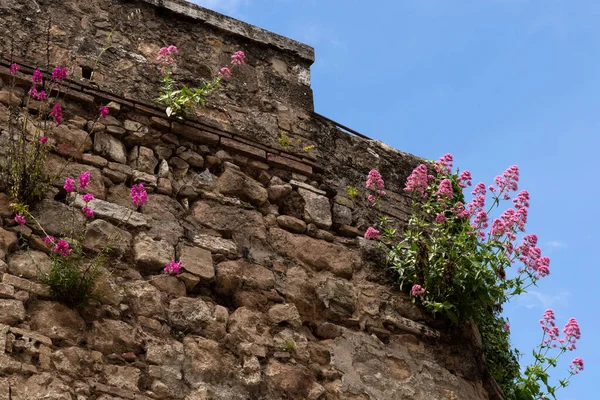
86,72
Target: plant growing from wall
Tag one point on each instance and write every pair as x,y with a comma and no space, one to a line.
352,192
455,263
180,99
73,276
22,170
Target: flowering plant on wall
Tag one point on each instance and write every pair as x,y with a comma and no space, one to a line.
180,98
26,143
454,262
74,275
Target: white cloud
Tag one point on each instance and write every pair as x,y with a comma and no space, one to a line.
556,244
226,6
533,299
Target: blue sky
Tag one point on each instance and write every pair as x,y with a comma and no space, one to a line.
494,82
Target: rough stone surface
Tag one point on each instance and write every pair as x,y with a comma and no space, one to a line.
152,254
236,183
333,257
29,264
317,209
12,311
56,321
102,234
110,147
198,261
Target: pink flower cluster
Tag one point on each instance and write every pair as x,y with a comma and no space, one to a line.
418,180
444,190
577,365
59,74
417,290
375,183
37,79
506,182
531,256
60,247
173,267
374,180
165,57
464,179
225,73
83,181
238,58
103,111
372,234
14,68
444,164
138,195
56,113
571,331
20,219
440,218
37,95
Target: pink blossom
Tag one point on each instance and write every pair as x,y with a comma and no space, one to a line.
460,211
444,164
577,365
49,240
238,58
371,198
372,234
57,114
374,181
480,221
165,57
69,185
34,94
522,199
507,182
88,197
43,139
476,205
572,332
417,181
173,267
59,73
506,327
87,211
14,68
417,290
464,179
225,73
37,77
103,112
138,195
62,248
41,95
445,189
20,219
84,179
440,218
479,189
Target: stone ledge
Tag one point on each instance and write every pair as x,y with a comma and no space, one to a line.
237,27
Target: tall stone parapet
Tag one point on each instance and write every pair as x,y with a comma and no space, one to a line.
278,297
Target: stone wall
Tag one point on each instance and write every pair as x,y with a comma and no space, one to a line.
280,297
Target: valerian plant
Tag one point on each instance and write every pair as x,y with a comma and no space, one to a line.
454,263
181,99
22,170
